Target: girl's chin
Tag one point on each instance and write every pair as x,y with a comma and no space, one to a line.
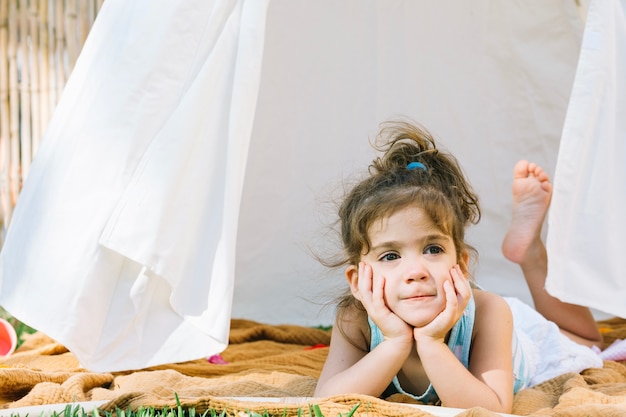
419,314
418,325
418,321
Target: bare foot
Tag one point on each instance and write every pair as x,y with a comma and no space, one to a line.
532,191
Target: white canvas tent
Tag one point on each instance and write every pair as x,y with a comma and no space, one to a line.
491,80
590,194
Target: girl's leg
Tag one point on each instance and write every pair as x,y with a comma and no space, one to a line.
522,244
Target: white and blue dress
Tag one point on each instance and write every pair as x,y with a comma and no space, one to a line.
540,351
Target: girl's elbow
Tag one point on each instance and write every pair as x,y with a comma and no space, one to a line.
492,404
505,407
323,390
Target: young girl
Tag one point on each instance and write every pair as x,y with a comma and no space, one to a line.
412,321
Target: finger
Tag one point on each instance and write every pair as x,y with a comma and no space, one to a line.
365,279
463,289
461,283
450,292
374,288
378,291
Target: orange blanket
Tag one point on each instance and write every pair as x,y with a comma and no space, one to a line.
279,366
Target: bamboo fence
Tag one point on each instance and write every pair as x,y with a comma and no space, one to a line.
39,43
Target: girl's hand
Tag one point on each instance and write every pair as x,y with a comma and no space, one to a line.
458,292
372,296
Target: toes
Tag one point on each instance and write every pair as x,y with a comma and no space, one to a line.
521,169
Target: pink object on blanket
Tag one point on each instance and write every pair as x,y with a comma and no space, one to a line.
615,352
8,338
217,359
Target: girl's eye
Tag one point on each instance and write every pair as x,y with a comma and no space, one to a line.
389,257
433,250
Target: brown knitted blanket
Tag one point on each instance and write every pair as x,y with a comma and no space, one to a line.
278,366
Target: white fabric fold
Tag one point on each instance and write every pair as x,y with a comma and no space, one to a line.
122,242
586,226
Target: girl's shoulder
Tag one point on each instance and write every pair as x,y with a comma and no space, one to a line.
490,307
493,329
487,298
352,323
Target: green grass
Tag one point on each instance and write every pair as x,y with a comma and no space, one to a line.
180,411
20,328
326,328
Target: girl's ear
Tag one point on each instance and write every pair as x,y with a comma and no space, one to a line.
352,276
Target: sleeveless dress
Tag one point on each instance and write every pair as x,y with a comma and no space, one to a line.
539,350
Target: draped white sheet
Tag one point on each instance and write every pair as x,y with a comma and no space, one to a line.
491,79
587,221
122,242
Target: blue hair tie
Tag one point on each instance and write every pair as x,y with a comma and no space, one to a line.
416,165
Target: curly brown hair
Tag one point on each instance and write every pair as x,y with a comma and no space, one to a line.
436,184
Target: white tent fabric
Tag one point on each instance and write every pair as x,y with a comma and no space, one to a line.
490,79
122,242
150,240
587,224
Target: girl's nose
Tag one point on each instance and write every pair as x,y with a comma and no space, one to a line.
417,271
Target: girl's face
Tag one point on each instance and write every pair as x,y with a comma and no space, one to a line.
415,258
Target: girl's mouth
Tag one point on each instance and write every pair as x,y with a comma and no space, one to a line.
420,297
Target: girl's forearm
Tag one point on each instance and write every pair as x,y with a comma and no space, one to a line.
372,374
455,384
